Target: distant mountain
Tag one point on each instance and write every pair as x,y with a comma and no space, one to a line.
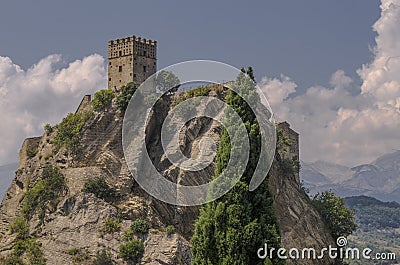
372,214
7,173
378,227
380,179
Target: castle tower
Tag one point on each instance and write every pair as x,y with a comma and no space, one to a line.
130,59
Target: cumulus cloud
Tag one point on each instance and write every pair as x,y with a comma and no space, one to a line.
338,125
42,94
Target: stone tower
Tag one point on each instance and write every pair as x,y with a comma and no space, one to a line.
130,59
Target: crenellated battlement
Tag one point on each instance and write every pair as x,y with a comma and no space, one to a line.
131,39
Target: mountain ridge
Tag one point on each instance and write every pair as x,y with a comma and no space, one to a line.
379,179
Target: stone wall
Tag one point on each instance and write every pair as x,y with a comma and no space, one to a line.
292,151
85,103
28,144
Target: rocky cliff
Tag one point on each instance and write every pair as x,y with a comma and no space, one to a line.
78,226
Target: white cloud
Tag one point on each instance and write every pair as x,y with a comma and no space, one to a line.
42,94
335,124
277,89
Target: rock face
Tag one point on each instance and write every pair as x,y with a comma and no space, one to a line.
79,218
301,226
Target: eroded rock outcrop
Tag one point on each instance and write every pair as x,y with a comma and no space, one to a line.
79,217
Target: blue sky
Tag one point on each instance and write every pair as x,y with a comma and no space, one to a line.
330,68
306,40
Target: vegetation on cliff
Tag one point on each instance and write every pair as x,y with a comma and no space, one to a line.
338,217
69,131
232,228
40,198
228,231
99,188
43,195
102,99
125,95
132,250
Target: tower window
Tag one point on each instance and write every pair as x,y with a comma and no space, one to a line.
109,63
109,79
144,53
120,53
119,68
144,68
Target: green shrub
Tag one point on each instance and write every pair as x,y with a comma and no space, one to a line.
198,92
78,255
170,230
125,96
69,130
288,166
340,219
13,259
111,225
102,99
31,248
103,258
73,251
24,245
20,227
99,187
132,251
44,193
48,129
129,235
31,152
140,226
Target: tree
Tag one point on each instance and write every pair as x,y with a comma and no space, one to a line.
48,129
102,99
250,73
166,80
232,228
340,219
125,95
